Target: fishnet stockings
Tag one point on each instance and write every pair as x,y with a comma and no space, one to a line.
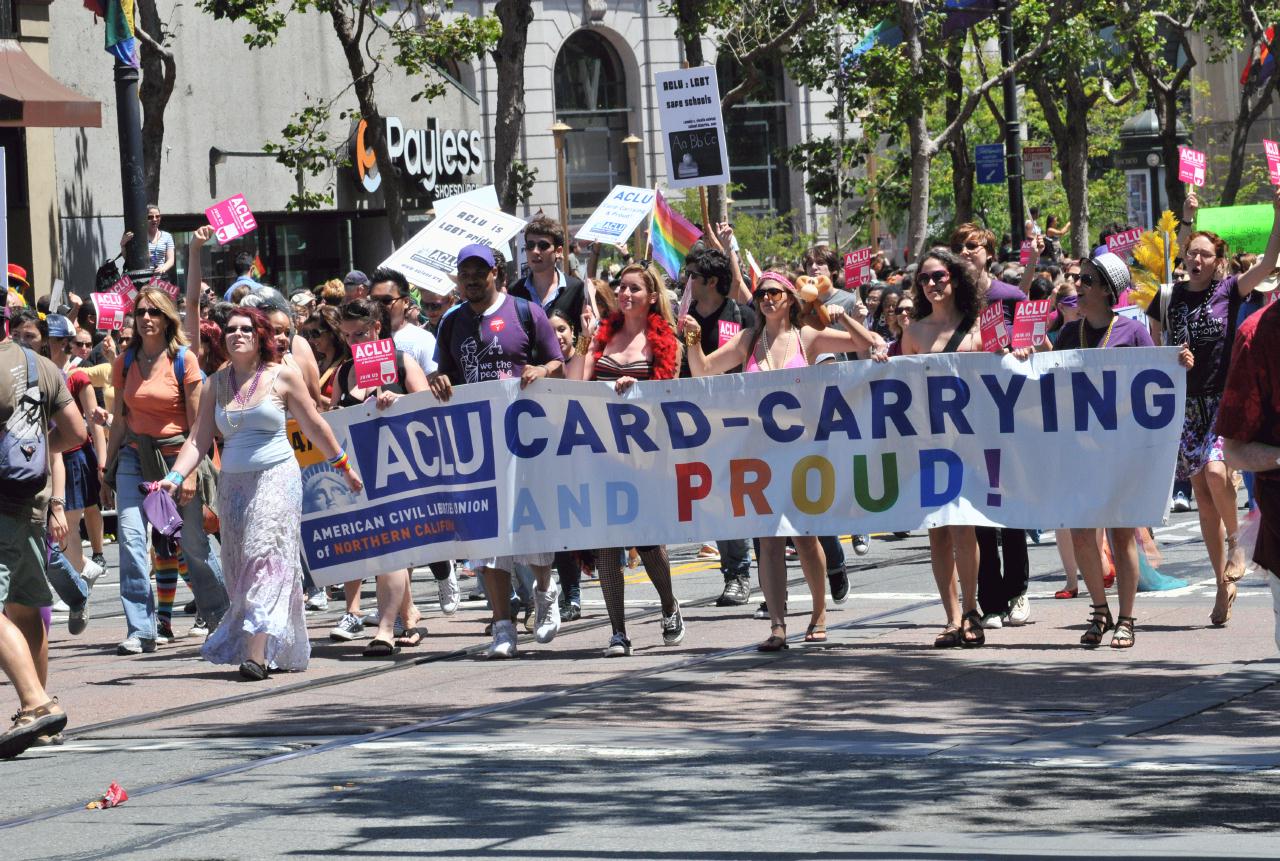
613,585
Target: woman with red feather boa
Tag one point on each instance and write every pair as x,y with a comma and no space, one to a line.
636,342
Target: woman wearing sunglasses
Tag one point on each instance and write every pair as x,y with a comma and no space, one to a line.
323,332
781,339
1102,279
947,299
1201,313
362,321
246,402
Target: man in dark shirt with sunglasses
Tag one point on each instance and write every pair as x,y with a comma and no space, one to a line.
547,284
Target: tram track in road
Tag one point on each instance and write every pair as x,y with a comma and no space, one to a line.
307,685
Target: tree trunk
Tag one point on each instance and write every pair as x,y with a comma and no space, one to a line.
1167,114
962,177
515,15
367,99
918,133
159,74
689,29
1073,161
1245,118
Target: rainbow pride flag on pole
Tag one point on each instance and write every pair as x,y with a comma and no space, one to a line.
671,236
121,41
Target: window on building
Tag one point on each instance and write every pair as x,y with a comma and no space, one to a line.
757,134
591,98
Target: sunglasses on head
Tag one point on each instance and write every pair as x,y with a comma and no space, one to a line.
937,276
538,245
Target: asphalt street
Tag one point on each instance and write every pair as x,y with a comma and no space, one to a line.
872,745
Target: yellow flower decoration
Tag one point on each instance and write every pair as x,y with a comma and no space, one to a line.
1149,256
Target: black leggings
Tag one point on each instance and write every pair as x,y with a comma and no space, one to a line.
612,584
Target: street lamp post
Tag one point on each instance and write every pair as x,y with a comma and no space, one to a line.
633,156
558,131
132,178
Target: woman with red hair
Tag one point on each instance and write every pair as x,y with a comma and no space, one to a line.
636,342
261,496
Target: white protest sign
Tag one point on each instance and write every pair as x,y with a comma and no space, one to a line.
625,209
485,195
430,258
1037,163
692,127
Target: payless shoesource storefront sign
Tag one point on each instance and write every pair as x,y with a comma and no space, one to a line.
434,163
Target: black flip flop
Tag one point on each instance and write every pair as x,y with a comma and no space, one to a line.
411,636
380,649
253,671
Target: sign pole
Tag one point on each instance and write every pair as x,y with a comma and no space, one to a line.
132,180
1012,131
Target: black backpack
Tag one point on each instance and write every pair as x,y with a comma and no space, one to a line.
24,440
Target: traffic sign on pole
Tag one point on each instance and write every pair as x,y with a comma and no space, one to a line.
989,162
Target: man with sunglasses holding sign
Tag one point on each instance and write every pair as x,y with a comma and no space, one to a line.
547,285
492,336
391,289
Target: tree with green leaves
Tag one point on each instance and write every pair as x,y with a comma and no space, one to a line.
371,39
1256,95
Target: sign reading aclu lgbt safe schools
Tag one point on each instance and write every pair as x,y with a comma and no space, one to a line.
430,258
1079,438
692,126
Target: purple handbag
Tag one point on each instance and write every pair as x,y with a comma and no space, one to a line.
166,520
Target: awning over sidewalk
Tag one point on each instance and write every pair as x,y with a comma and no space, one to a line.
30,98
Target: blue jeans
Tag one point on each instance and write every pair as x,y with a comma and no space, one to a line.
204,568
65,579
735,558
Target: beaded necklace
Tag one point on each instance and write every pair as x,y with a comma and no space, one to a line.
242,402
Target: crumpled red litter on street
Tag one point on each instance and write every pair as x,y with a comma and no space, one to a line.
113,797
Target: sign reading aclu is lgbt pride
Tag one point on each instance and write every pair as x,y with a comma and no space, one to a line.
1079,438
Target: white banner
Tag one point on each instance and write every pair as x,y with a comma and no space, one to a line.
622,212
430,258
1080,438
692,127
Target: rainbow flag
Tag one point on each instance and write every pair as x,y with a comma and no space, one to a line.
121,41
257,270
671,236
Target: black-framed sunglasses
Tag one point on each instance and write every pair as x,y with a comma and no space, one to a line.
242,330
539,245
937,276
1088,280
431,306
903,311
312,334
1072,276
768,293
385,299
150,312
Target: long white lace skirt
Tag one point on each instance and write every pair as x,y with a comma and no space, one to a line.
261,516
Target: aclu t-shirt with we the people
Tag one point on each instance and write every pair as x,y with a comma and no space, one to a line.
476,348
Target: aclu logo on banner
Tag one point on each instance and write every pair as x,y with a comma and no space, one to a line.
425,449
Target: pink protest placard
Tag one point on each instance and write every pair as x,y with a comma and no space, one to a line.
126,291
110,309
1030,319
995,337
857,268
169,288
1024,253
1119,243
231,218
1191,165
375,363
1272,149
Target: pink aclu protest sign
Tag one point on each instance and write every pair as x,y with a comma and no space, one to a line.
110,309
1272,149
857,268
168,287
1024,253
995,337
1030,319
1191,164
1119,243
126,291
231,218
375,363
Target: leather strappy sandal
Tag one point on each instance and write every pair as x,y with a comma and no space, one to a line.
1099,623
775,643
816,634
1218,619
971,633
948,639
1123,638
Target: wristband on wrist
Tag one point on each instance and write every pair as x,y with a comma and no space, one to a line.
175,477
1189,222
340,462
57,500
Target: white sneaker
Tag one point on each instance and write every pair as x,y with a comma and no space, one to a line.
991,621
504,640
546,622
449,592
861,545
318,600
92,571
370,620
1020,612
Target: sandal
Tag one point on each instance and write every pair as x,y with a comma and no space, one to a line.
380,649
31,724
1099,623
1236,565
949,638
411,636
1123,637
1219,619
1067,593
253,671
775,643
816,634
971,633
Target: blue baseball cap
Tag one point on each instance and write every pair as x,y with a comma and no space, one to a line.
59,326
479,250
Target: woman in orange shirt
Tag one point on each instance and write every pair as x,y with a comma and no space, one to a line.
152,416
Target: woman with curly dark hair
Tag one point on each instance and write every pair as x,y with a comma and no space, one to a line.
324,334
948,301
247,402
